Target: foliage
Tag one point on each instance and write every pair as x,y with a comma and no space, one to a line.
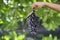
13,14
49,38
13,35
12,11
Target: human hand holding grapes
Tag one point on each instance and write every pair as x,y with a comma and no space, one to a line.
37,4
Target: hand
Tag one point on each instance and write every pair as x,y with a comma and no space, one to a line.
37,4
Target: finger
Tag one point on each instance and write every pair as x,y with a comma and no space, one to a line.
34,7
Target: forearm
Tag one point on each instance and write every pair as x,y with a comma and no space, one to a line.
54,6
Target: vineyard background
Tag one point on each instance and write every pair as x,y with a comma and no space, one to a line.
13,23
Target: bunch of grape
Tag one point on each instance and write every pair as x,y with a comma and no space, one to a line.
33,23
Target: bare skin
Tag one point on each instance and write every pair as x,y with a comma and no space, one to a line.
42,4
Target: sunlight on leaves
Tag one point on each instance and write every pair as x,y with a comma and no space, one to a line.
21,37
1,22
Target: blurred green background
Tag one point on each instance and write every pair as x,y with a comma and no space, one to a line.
13,15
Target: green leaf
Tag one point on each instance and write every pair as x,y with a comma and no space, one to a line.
34,1
49,0
55,38
6,37
44,38
1,22
21,37
44,0
50,37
